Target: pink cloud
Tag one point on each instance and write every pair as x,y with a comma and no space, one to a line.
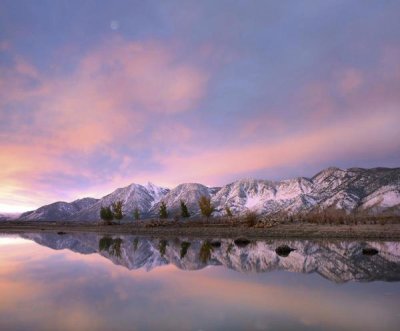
111,95
22,67
352,137
350,80
113,91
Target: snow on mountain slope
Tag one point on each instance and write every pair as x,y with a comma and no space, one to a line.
133,196
156,192
376,189
244,194
190,193
58,211
384,197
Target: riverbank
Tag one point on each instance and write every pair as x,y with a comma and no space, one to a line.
283,230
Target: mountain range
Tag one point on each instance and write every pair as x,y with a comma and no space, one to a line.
338,261
374,190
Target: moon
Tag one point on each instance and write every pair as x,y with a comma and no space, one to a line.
114,25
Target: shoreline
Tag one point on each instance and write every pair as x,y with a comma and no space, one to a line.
279,231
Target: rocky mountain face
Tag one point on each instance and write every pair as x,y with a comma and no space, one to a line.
337,261
58,210
190,193
374,190
350,190
133,196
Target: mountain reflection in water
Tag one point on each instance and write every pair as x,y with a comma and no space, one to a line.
73,282
338,261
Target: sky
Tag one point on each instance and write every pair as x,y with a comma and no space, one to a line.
96,95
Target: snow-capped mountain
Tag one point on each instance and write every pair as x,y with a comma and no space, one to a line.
352,189
190,193
59,211
337,261
376,190
133,196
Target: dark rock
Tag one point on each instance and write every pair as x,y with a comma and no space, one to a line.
370,251
241,242
283,250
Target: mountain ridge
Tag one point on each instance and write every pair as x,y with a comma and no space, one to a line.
374,190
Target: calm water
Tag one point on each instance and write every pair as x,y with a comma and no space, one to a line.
94,282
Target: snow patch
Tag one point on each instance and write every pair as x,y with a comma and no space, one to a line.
252,201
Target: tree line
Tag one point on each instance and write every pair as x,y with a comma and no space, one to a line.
114,211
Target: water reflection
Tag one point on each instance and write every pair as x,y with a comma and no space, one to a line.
107,286
111,246
338,261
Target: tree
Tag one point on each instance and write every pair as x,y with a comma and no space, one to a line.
228,211
105,243
136,214
110,245
251,218
106,214
163,210
184,248
162,247
205,251
117,209
184,210
206,206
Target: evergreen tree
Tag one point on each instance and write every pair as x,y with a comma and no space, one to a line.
105,243
162,247
106,214
117,209
136,214
184,248
184,210
163,210
206,206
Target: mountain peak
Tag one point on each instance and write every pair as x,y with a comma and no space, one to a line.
354,189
